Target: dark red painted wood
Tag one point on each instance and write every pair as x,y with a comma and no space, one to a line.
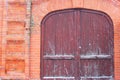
77,44
96,42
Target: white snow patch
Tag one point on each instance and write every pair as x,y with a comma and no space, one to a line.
59,77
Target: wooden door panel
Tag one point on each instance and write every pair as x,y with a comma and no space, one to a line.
65,69
59,47
96,38
59,35
95,68
49,37
96,47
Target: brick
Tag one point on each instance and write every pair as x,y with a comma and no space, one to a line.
15,18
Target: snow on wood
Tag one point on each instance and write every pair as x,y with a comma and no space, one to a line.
95,56
59,57
59,77
110,77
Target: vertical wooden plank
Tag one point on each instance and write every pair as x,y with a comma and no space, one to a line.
89,34
77,53
58,44
72,44
69,24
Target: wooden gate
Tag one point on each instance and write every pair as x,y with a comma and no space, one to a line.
77,44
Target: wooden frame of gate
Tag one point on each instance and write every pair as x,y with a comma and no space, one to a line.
72,9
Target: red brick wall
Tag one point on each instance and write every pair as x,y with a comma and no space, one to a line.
17,61
14,58
1,18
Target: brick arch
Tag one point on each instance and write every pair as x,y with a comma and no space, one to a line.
70,9
49,6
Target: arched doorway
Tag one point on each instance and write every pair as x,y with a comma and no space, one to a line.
77,44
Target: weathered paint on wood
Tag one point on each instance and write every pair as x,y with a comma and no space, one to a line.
85,34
